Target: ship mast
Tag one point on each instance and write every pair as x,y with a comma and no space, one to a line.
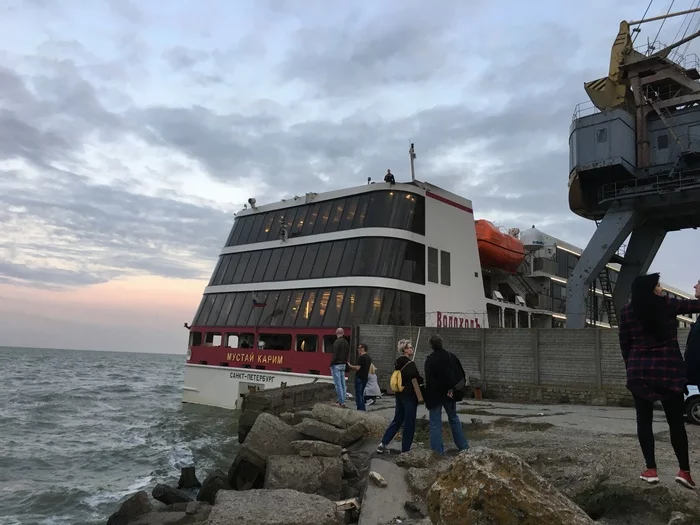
412,156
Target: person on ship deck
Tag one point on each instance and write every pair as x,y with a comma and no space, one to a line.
655,368
389,177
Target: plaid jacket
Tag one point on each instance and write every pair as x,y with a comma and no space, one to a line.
655,371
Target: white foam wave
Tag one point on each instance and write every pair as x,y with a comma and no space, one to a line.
112,496
180,456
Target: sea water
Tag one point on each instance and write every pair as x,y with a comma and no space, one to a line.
80,431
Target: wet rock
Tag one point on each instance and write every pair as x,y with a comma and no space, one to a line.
246,422
315,475
318,448
493,486
188,479
679,518
269,436
418,458
213,483
135,506
198,507
349,468
272,507
170,495
344,418
175,507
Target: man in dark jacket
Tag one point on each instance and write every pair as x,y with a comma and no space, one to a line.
341,352
361,375
441,376
692,349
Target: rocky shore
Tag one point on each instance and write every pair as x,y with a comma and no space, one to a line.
319,466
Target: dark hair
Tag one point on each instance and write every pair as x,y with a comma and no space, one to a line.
363,346
435,341
649,308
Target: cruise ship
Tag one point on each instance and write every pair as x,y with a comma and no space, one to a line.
293,271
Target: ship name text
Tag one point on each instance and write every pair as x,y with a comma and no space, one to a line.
456,321
255,358
258,378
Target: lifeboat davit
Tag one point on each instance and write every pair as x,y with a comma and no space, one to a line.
498,249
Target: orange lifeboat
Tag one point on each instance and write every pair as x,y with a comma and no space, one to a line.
498,249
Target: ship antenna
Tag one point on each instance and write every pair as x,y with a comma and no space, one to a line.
412,156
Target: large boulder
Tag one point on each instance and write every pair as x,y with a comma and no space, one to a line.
332,434
135,506
419,458
213,483
170,495
272,507
493,486
268,436
421,479
314,475
344,418
318,448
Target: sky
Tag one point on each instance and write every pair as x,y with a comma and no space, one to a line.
131,132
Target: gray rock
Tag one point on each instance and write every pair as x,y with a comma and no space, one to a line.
136,505
316,475
417,457
198,507
245,423
355,433
213,483
320,431
349,468
421,479
287,417
170,495
344,418
163,518
679,518
272,507
318,448
269,436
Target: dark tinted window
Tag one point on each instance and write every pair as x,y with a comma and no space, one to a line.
367,256
252,266
314,308
381,209
297,257
319,268
432,265
308,262
445,270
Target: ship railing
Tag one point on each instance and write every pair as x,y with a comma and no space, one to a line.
655,185
583,109
687,61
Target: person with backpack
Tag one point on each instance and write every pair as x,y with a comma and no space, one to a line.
445,381
403,384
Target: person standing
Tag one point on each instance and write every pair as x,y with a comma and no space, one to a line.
361,375
341,351
692,349
406,400
441,374
655,368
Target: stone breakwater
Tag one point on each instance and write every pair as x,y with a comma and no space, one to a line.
318,465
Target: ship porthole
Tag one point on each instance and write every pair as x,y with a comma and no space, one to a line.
189,354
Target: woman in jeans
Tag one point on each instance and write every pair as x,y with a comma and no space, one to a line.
655,368
406,401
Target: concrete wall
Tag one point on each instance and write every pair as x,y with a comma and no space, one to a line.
550,365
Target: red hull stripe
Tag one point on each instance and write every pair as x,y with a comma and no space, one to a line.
448,201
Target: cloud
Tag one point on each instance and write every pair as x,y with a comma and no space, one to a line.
126,155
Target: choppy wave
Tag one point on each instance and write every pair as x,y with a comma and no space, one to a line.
80,431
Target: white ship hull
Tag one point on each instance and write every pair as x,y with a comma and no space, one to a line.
224,387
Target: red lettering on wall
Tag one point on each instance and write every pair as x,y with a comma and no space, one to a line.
453,321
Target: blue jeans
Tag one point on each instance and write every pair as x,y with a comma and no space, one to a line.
338,373
455,424
360,393
404,414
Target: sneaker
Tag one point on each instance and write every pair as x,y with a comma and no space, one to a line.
370,402
683,478
650,476
381,448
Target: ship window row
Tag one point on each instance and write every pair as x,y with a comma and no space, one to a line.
377,209
366,256
441,262
315,307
